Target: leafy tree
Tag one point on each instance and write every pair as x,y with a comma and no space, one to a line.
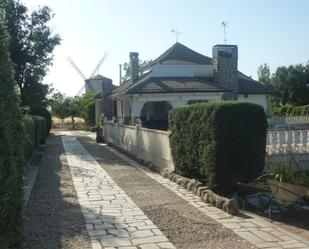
60,105
31,46
11,149
127,67
75,107
264,74
291,84
88,110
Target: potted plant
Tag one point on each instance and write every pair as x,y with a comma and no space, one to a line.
99,134
288,181
99,130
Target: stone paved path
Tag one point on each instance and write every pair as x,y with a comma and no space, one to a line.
53,219
248,226
113,220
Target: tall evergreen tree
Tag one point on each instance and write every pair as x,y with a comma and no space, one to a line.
11,149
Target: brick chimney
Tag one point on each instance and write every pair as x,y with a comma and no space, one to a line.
134,66
225,60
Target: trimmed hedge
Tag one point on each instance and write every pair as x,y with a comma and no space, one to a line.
29,143
43,112
11,150
289,110
220,142
40,129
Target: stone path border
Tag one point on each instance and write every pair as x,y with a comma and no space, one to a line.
112,219
252,228
31,175
30,178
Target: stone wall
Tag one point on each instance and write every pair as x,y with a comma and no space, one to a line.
149,145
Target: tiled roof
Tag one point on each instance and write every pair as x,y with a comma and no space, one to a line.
98,77
248,85
175,85
180,52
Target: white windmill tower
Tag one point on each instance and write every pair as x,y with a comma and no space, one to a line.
95,83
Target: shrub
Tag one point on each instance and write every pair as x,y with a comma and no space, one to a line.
43,112
40,129
11,151
219,142
29,143
291,110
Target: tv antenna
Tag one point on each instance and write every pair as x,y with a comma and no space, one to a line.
224,25
177,33
96,70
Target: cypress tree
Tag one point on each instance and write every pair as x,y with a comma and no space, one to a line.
11,149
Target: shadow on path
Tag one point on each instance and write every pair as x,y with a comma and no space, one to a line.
53,216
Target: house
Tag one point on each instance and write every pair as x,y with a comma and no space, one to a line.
181,76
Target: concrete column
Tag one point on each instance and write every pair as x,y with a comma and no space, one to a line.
98,111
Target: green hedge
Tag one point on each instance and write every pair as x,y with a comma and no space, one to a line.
289,110
29,143
218,142
40,129
11,150
43,112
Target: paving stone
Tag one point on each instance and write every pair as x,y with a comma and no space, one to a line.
265,236
149,246
118,232
142,233
250,237
152,239
267,245
96,232
166,245
232,225
116,242
96,245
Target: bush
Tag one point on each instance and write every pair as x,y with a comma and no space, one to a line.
288,110
43,112
219,142
11,151
29,143
40,129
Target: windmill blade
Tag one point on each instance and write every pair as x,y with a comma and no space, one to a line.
76,68
99,64
80,90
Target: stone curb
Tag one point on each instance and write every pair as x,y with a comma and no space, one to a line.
207,195
31,173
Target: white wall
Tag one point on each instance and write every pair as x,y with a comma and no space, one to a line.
260,99
175,100
182,70
147,144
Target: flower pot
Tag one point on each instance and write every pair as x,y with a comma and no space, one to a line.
287,193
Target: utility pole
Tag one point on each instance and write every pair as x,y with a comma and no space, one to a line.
224,25
176,33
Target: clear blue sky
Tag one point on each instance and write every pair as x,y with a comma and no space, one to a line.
271,31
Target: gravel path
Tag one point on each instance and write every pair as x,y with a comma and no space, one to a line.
184,225
53,216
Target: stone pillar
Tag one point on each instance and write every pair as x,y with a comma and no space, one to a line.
225,60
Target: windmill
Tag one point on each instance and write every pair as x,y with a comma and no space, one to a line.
96,69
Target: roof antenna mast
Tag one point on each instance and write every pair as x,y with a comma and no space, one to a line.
224,25
177,33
